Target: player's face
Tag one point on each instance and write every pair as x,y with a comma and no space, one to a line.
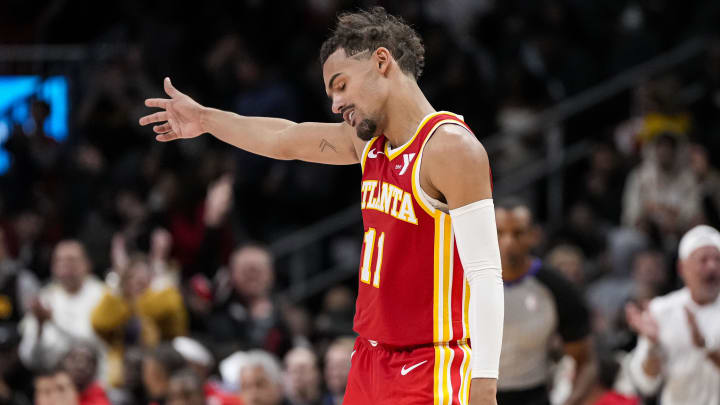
515,235
701,273
357,90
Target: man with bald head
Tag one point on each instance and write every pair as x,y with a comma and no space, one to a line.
60,315
679,332
540,304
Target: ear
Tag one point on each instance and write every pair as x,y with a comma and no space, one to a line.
382,58
681,270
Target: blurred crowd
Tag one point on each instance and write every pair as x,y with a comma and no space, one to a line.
133,272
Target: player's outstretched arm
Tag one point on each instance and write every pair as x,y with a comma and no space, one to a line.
456,166
182,117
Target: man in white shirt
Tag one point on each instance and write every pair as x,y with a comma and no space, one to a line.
679,342
60,316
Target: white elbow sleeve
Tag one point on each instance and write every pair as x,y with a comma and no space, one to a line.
477,243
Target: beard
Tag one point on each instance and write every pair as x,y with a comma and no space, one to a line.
366,129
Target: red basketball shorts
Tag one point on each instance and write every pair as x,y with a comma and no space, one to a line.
423,375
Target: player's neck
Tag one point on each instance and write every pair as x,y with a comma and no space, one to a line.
406,108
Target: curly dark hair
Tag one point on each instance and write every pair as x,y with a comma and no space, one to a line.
368,30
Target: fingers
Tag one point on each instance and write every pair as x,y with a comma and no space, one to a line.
170,89
157,102
161,129
170,136
161,116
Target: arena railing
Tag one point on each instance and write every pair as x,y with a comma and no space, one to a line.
290,249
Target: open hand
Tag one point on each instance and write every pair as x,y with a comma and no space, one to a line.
41,312
181,118
218,201
642,322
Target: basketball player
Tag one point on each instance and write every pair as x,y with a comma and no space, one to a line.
430,280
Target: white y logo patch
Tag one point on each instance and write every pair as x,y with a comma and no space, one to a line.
407,159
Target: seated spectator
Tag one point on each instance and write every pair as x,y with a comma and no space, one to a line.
132,391
337,369
679,341
15,380
302,377
661,196
708,178
165,270
604,393
260,379
137,314
336,318
246,314
60,316
157,367
186,388
201,361
80,363
569,260
17,286
55,388
608,295
299,322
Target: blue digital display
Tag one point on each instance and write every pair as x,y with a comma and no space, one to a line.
15,93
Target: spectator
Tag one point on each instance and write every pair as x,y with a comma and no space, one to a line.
45,388
165,270
186,388
17,286
302,377
336,317
260,379
661,197
539,304
201,361
679,332
132,391
157,367
80,363
15,380
248,314
337,368
708,179
55,388
209,254
570,261
608,295
603,393
299,322
60,316
137,314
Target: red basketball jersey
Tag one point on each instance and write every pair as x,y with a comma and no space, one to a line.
412,288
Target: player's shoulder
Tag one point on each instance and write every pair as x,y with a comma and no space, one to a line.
456,146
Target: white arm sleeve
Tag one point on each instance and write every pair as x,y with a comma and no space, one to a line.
477,243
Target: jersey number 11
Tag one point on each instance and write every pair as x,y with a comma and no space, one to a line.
368,247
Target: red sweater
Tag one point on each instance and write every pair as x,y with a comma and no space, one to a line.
613,398
94,395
